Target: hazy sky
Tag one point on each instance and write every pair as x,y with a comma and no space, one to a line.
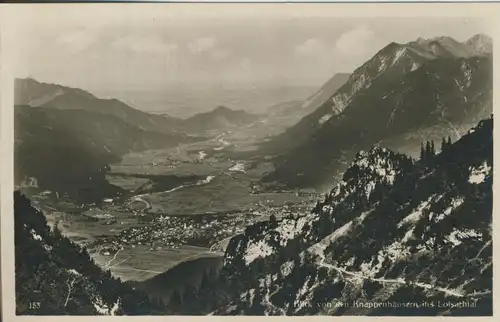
104,47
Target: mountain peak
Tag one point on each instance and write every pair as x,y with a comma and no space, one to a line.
420,40
222,108
221,117
480,36
445,46
441,38
480,43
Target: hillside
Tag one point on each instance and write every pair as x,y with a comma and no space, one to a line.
314,101
449,93
190,274
220,118
36,94
413,236
389,63
70,150
281,108
28,91
191,288
56,277
325,92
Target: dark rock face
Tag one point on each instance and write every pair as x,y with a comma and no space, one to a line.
395,237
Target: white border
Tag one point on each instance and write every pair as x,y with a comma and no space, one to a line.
12,14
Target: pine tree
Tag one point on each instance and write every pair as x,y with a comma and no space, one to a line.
256,308
422,152
449,141
273,221
443,145
317,207
433,149
175,301
428,151
205,281
190,300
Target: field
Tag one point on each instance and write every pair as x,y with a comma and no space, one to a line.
230,187
83,228
141,263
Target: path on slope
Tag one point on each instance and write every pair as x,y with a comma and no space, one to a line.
320,247
384,280
392,281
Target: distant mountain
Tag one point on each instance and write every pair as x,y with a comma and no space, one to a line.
390,62
33,93
68,151
218,119
312,102
478,45
28,91
393,231
481,44
325,92
408,94
54,276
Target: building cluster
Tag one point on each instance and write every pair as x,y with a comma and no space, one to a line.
167,232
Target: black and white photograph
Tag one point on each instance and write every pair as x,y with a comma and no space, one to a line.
250,159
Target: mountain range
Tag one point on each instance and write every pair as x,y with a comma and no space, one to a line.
58,127
393,231
30,92
403,89
80,142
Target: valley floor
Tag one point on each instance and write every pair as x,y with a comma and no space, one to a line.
166,222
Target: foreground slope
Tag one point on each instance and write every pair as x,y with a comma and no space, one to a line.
394,231
56,277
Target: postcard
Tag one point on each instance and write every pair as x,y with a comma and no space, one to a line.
262,159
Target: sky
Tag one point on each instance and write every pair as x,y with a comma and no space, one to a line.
99,47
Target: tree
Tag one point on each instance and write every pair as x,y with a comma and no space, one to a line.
449,141
317,207
444,145
273,221
428,151
422,152
256,306
175,301
433,149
